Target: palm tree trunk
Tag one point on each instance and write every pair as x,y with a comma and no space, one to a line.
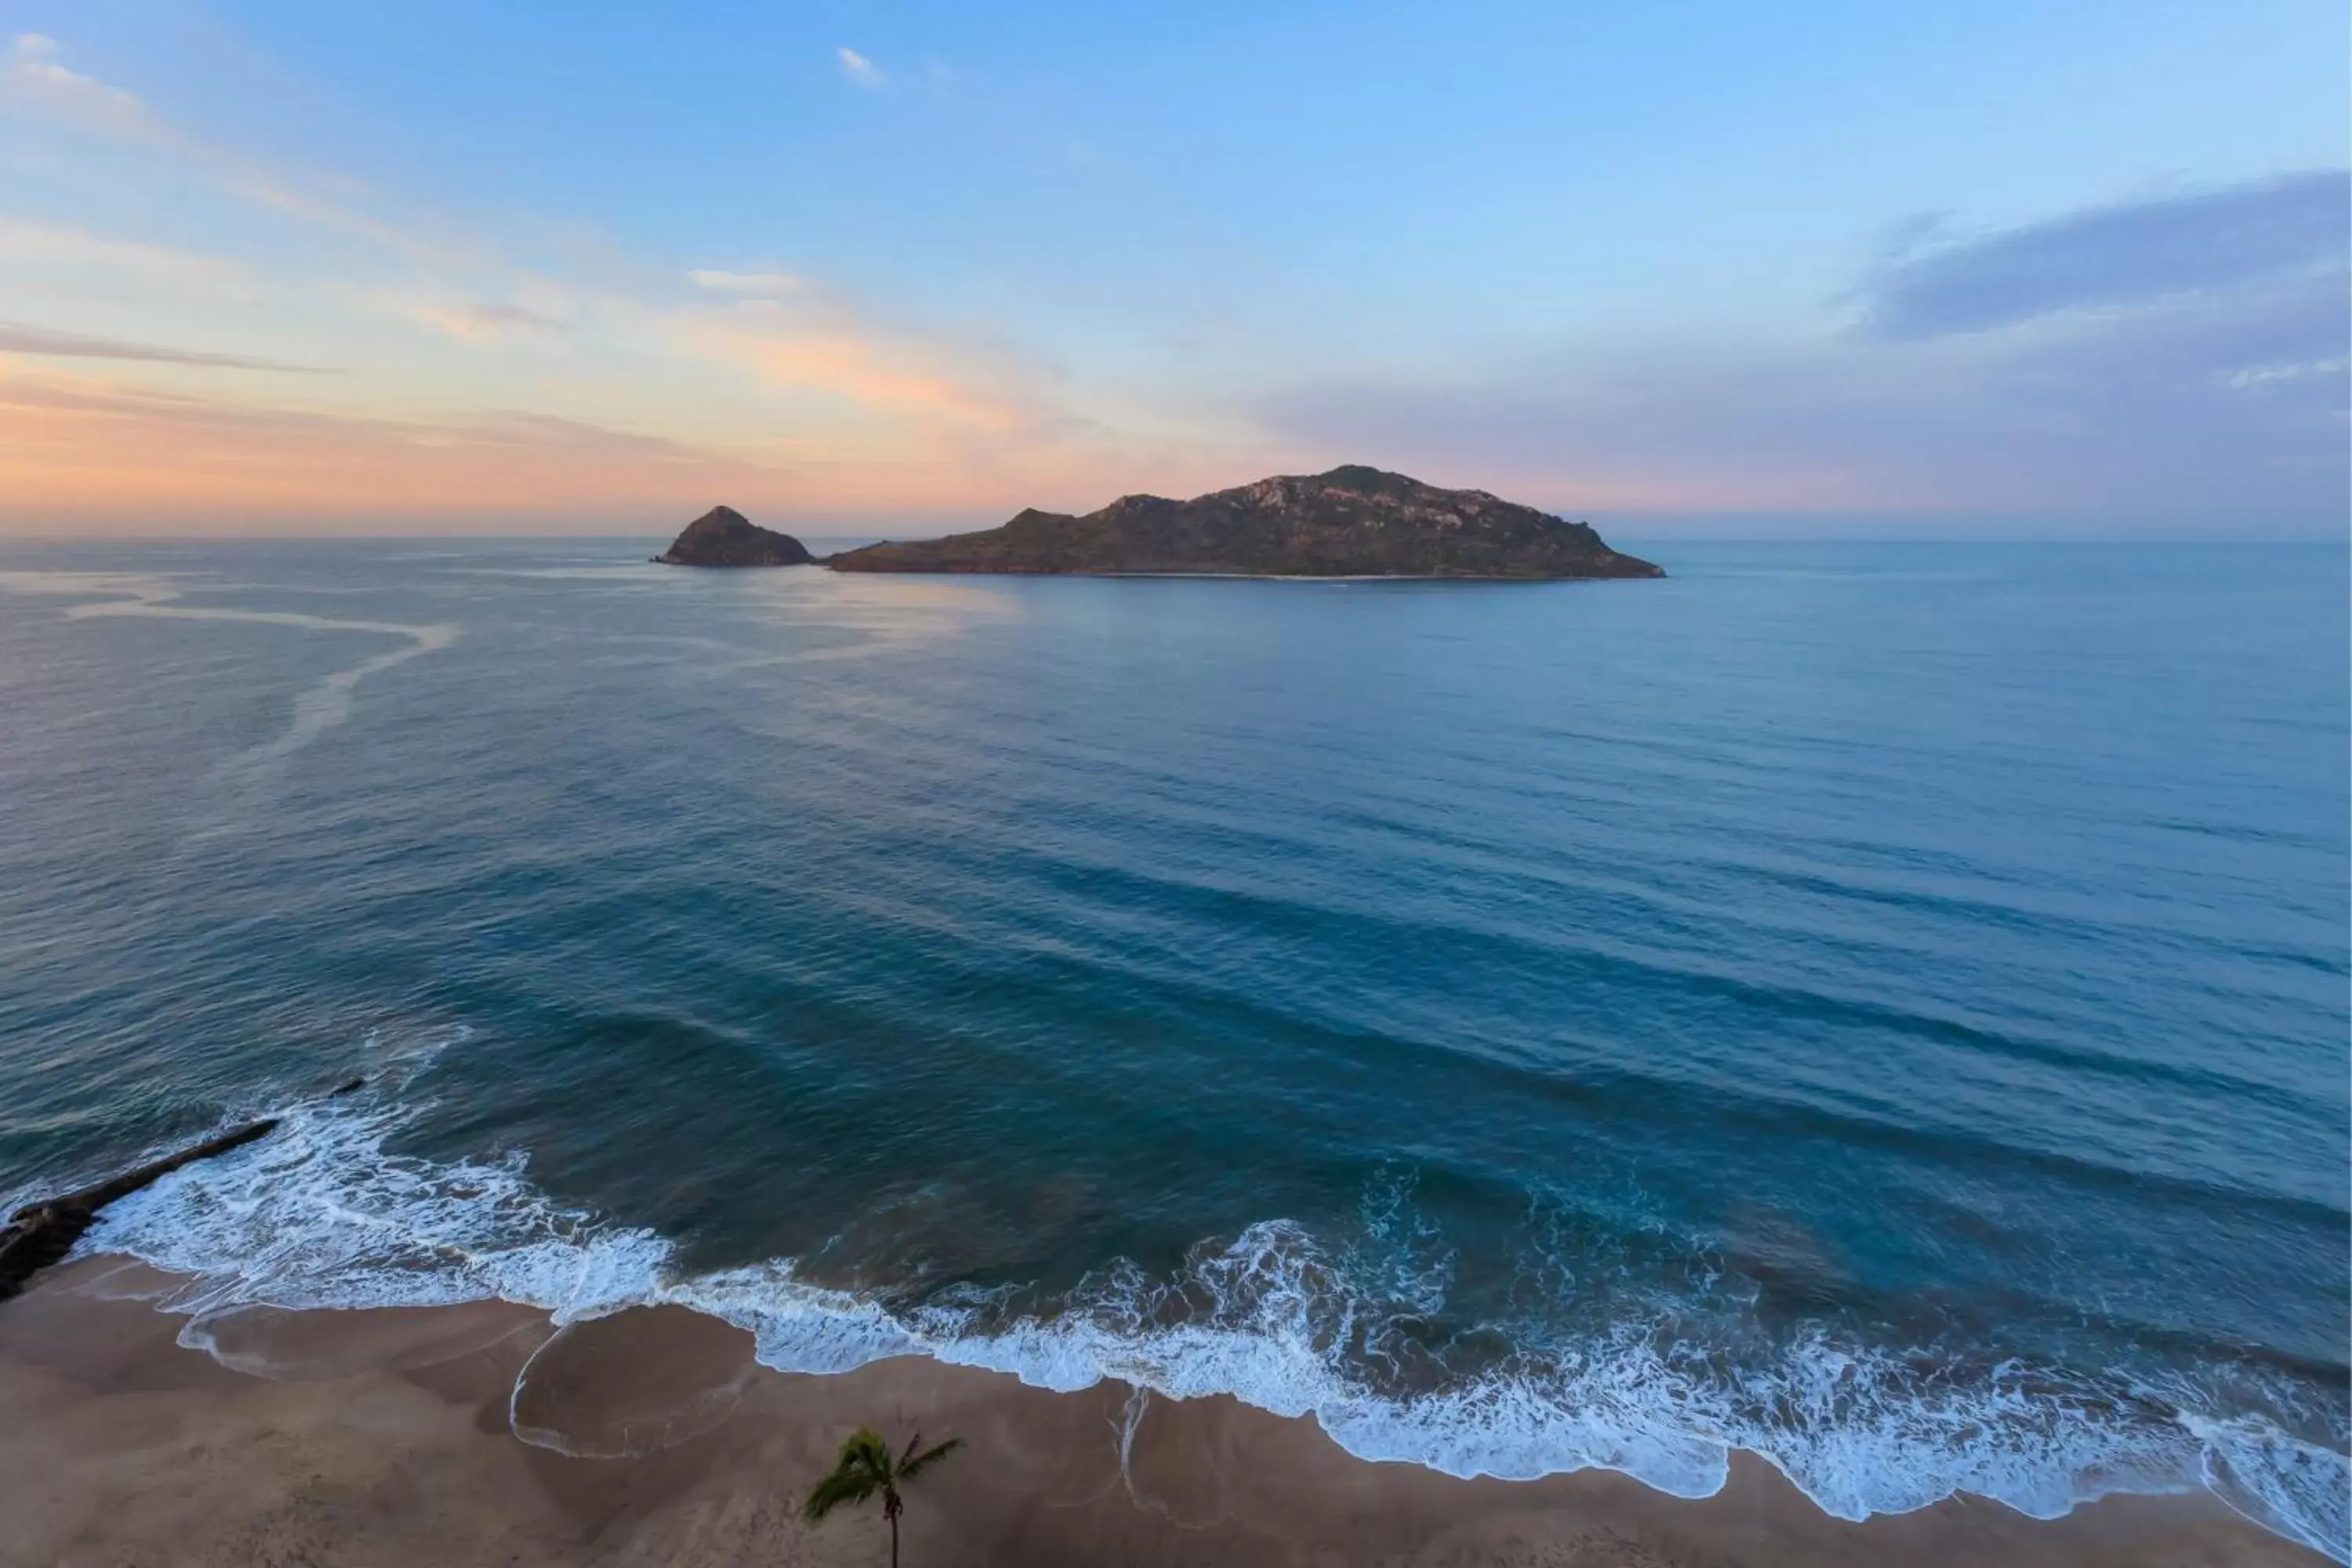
894,1541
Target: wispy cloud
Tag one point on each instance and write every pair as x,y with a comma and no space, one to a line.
77,447
831,353
2125,254
17,337
2255,377
473,321
34,78
789,333
33,82
860,69
663,382
78,250
82,451
2206,379
768,285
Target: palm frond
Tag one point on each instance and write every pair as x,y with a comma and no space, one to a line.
839,1487
913,1466
866,1446
861,1467
865,1465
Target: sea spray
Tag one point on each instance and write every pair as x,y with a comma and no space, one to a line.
323,1215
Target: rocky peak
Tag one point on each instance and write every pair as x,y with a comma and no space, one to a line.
725,537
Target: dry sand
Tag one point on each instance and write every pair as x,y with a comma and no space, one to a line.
388,1439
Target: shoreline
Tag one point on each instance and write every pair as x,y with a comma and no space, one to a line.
1222,577
484,1434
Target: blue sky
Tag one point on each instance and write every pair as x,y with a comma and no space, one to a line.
2064,270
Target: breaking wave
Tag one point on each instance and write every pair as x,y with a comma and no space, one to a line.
323,1215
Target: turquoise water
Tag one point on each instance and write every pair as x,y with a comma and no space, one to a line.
1880,1006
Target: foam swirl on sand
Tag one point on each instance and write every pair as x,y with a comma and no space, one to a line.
322,1215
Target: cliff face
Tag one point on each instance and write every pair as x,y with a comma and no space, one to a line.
1353,521
725,537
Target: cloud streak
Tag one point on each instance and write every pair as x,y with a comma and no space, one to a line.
75,448
2117,256
83,452
33,82
17,338
860,69
35,78
78,251
2012,377
768,285
906,379
475,321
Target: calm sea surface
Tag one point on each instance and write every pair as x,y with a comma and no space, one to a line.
1880,1006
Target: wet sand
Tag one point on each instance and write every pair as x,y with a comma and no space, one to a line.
446,1437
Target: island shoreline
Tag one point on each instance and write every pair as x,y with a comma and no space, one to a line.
1232,576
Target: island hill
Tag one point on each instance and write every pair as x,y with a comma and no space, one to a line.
1353,521
725,537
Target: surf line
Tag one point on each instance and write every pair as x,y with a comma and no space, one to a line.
317,708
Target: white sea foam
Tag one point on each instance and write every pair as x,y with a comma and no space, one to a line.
2298,1488
322,1215
319,707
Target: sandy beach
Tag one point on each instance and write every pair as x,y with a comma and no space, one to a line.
481,1434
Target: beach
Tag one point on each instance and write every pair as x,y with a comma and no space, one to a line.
387,1438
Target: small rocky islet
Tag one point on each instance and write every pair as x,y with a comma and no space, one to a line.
725,537
1353,521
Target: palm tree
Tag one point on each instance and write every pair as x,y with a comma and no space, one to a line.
866,1466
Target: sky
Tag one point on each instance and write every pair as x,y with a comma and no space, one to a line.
2064,268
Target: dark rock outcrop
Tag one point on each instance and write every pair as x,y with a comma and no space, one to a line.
40,1234
1353,521
725,537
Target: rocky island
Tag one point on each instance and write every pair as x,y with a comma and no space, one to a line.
1354,521
725,537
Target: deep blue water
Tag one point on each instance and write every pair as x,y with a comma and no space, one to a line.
1881,1007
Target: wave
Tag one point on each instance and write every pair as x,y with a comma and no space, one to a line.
324,1215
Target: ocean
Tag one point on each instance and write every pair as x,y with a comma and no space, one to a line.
1881,1007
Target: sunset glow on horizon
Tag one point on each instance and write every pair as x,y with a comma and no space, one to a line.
2074,270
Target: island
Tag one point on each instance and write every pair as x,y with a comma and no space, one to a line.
725,537
1353,521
